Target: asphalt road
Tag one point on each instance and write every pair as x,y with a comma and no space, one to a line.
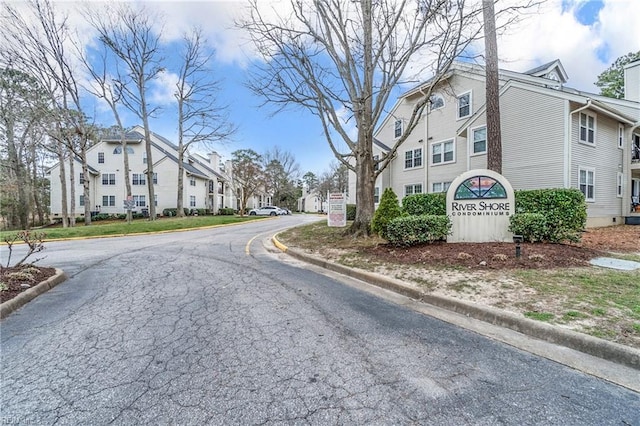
208,327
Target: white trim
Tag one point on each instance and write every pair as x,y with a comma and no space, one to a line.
413,159
442,142
620,136
619,184
458,116
595,128
413,188
472,141
566,164
588,170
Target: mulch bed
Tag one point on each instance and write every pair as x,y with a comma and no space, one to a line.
487,255
17,283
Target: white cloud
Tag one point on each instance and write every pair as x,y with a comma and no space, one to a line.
164,89
555,33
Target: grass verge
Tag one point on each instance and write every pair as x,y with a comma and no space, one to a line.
138,226
601,302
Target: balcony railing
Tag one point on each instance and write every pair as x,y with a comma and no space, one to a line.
635,154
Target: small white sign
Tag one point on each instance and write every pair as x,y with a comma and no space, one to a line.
337,216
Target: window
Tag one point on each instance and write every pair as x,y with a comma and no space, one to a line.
479,140
144,158
376,165
82,201
620,136
118,150
81,179
139,179
155,178
587,128
619,180
192,181
413,158
108,201
442,152
101,158
413,189
436,102
155,199
108,178
586,181
192,201
440,186
464,105
140,200
376,195
397,129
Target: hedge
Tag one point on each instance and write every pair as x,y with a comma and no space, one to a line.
226,211
565,211
532,226
420,204
413,230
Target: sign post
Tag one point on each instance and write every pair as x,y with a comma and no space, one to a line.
337,216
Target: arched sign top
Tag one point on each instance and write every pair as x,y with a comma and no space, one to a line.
480,187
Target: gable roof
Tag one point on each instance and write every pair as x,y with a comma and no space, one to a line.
545,70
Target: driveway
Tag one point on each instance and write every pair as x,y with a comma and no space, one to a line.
208,327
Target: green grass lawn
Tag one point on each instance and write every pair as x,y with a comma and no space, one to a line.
137,226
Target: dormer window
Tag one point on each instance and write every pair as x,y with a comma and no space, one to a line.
464,105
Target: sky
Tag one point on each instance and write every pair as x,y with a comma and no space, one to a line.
586,35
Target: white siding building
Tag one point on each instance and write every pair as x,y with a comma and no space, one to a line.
552,137
206,183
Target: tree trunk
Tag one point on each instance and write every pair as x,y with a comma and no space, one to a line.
63,187
180,200
72,186
494,137
361,226
36,193
147,139
85,186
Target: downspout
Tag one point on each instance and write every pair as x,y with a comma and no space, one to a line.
567,142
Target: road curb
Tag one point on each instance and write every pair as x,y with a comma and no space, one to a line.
26,296
594,346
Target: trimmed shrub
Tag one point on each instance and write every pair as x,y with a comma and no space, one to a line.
174,212
413,230
226,211
532,226
101,216
420,204
565,211
386,212
351,212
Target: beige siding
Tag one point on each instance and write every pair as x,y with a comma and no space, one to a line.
532,139
605,158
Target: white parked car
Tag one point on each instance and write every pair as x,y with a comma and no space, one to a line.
267,211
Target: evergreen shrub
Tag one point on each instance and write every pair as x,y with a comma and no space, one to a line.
387,210
226,211
565,211
351,212
413,230
420,204
532,226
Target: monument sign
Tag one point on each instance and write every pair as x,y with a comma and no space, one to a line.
479,204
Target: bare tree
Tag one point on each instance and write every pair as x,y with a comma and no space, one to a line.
328,56
37,45
105,89
246,174
492,88
129,34
201,119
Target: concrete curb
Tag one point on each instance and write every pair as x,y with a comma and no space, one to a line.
26,296
594,346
